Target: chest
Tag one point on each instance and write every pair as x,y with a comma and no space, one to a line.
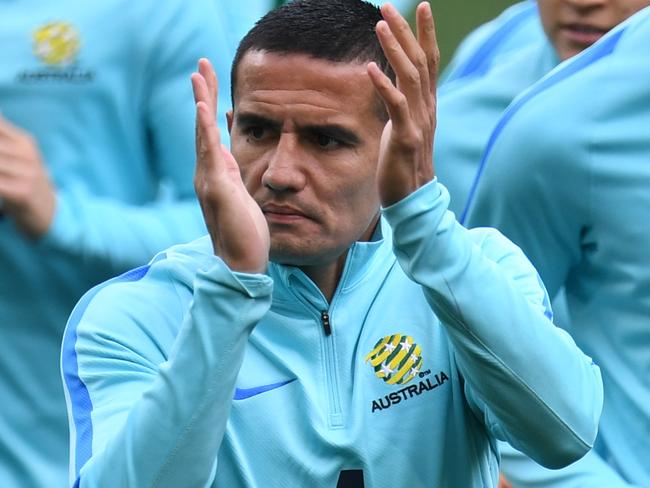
370,395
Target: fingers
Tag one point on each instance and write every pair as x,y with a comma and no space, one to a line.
207,71
205,86
4,129
206,128
394,99
7,151
406,54
208,142
7,130
426,30
9,169
408,77
415,61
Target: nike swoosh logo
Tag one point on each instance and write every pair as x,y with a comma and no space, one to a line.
244,393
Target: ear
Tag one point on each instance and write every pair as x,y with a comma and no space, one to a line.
229,118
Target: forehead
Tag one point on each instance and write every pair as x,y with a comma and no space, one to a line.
297,84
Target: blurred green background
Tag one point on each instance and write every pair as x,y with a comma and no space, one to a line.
456,18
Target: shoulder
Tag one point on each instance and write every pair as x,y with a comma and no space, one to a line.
620,47
151,14
175,28
635,29
175,267
564,104
625,73
143,303
516,27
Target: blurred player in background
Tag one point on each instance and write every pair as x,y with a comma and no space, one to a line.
96,163
565,175
490,68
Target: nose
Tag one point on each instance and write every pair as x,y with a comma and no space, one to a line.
284,172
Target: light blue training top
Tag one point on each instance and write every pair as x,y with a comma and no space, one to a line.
492,66
566,176
183,373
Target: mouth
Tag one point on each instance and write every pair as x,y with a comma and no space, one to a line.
282,214
582,34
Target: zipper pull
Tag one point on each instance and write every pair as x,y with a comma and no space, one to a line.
325,319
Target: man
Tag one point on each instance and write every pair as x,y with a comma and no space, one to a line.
96,149
383,350
496,63
493,66
566,178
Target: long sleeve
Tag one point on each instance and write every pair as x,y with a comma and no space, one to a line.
591,471
526,378
566,180
148,402
140,198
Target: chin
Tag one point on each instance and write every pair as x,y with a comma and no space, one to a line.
301,255
284,253
289,258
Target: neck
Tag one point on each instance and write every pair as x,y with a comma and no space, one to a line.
327,277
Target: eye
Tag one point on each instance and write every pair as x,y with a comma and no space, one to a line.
256,132
327,142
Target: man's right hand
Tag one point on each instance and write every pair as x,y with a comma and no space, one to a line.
239,232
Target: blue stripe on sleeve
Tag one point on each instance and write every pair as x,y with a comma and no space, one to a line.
80,403
548,311
590,56
479,63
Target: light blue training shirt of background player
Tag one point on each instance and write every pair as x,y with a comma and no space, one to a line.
114,121
198,341
484,47
495,63
492,66
566,177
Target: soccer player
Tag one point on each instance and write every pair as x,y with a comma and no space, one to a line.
96,163
337,323
566,177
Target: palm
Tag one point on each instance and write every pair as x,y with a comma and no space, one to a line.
239,232
406,148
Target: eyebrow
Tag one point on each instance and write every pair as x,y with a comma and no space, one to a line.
335,131
332,130
247,119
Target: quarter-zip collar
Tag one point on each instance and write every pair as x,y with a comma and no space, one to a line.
363,258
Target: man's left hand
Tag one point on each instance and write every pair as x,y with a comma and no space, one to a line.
406,153
25,189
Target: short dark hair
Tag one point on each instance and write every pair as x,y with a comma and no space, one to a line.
333,30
